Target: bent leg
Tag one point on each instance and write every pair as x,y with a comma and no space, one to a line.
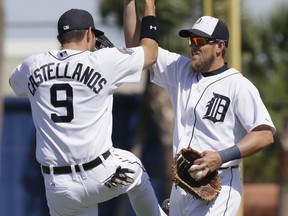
144,200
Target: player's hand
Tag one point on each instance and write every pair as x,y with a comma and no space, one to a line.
120,177
209,162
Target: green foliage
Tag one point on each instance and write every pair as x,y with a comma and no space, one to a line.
112,9
263,166
265,63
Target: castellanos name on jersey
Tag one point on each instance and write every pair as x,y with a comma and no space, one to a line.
84,74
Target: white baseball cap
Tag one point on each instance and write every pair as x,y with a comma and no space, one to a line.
208,27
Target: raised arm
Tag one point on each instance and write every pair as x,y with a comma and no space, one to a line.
132,23
145,32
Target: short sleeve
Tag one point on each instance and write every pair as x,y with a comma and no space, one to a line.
169,70
250,108
122,65
18,80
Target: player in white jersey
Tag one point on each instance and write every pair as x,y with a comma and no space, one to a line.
71,96
218,112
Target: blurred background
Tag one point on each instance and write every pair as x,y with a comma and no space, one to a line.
143,119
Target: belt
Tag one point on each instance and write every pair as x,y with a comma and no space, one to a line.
230,167
67,169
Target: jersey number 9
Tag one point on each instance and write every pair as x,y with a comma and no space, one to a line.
67,103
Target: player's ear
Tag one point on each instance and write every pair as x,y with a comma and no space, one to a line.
222,44
219,47
89,34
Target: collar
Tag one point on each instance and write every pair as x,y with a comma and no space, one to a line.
217,71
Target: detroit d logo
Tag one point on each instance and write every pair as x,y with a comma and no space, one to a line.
217,108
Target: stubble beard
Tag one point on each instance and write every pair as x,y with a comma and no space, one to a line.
203,65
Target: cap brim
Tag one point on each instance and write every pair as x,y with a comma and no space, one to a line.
193,32
98,32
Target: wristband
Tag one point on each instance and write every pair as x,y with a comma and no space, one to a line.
229,154
149,28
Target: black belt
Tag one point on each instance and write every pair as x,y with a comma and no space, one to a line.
230,167
67,169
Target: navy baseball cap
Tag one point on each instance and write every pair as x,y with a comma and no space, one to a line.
208,27
76,19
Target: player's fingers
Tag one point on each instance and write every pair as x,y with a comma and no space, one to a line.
129,180
122,176
194,168
203,153
126,179
117,181
122,182
127,170
198,161
202,175
108,184
201,166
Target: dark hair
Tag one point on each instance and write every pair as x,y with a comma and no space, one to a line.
71,36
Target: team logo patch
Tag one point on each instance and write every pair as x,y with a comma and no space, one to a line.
66,27
125,50
217,108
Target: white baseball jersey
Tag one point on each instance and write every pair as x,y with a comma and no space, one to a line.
212,112
71,96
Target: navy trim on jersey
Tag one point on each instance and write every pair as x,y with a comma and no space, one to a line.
194,111
68,56
228,198
215,72
131,162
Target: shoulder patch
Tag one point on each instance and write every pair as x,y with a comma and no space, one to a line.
125,50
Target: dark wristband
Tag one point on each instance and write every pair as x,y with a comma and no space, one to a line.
149,28
229,154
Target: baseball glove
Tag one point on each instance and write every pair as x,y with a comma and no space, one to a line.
103,42
206,189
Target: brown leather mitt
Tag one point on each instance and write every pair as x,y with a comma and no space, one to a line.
206,189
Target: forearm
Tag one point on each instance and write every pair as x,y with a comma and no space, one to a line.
255,141
132,23
252,143
146,32
149,8
149,34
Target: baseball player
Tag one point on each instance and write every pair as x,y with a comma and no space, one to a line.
217,111
71,96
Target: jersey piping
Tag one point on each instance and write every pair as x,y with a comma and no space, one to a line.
195,119
68,56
